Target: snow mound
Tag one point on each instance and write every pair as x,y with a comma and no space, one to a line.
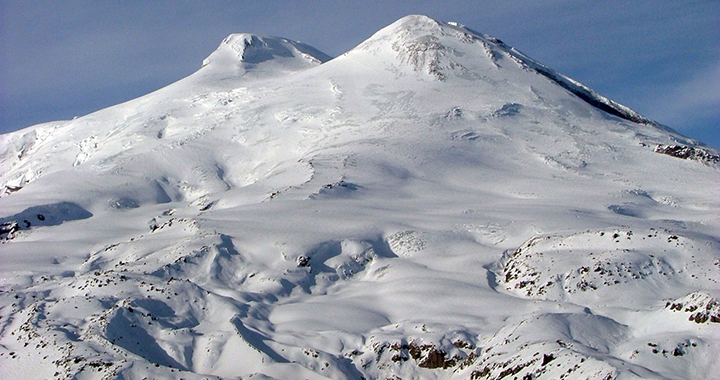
607,264
550,346
701,306
48,215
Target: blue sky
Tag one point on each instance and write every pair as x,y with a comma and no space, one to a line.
60,59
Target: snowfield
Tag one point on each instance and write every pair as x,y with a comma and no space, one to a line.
431,204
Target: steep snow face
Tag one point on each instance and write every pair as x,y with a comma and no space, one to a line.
430,204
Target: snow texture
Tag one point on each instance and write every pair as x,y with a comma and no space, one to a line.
431,204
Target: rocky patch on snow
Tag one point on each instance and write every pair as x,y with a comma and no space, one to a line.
556,267
701,307
428,355
703,155
549,346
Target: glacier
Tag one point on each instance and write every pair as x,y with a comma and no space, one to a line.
430,204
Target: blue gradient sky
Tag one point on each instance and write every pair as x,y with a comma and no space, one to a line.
64,59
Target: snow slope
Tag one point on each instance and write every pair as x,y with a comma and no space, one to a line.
430,204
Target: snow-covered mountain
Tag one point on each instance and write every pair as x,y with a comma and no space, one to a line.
431,204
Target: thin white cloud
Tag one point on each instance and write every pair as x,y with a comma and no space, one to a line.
698,97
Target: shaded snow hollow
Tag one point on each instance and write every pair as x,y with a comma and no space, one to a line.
431,204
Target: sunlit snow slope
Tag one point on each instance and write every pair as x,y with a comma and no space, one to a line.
431,204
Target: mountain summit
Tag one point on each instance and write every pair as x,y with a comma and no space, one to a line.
248,52
440,49
431,204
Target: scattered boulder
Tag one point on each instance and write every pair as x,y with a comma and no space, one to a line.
303,261
153,224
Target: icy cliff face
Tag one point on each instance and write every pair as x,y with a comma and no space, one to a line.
430,204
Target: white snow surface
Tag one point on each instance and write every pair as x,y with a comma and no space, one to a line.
431,204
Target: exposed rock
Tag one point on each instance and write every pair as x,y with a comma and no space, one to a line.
434,359
689,153
702,307
8,229
303,261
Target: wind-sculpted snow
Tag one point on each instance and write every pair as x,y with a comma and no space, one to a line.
424,206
